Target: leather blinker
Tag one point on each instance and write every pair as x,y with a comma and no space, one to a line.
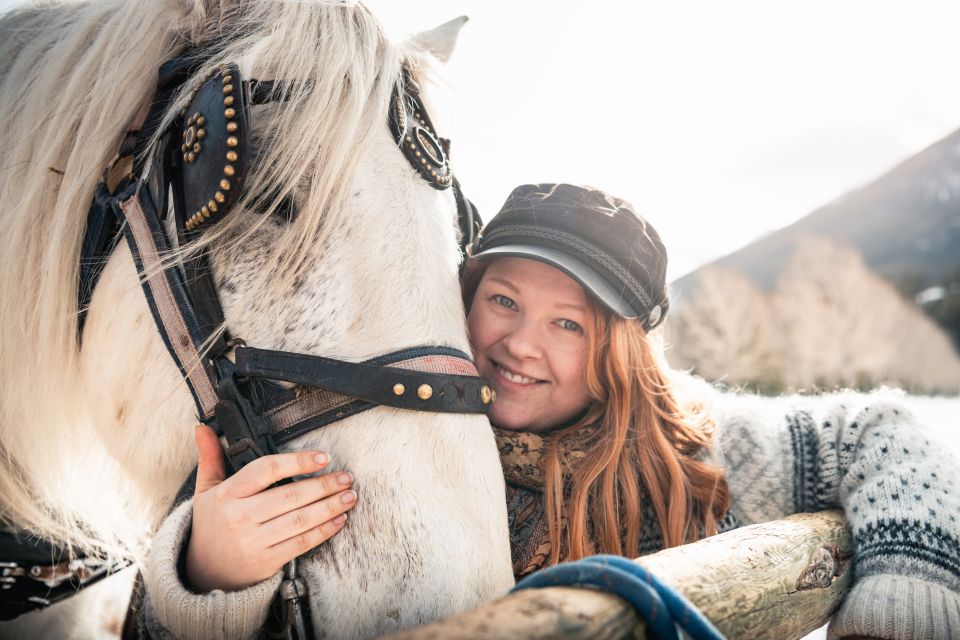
214,148
417,138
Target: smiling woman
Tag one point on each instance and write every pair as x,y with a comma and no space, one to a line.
602,453
527,330
561,289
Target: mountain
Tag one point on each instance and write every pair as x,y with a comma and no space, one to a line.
906,224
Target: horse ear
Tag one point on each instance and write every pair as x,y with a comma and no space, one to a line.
440,41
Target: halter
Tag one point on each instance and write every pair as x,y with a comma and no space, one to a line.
202,160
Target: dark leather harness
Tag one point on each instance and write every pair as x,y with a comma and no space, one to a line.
203,155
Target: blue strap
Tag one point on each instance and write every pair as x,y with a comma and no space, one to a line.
661,606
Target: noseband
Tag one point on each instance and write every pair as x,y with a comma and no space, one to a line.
202,161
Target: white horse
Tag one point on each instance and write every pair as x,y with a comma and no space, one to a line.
96,440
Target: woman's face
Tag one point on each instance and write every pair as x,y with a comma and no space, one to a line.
527,328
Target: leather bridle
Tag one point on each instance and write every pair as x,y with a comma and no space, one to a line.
202,161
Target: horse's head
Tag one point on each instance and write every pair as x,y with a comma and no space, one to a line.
342,244
334,243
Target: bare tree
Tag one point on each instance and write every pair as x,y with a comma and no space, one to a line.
843,325
830,323
724,330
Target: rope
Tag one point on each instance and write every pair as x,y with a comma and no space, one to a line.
662,607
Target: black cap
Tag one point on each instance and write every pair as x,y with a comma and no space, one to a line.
595,238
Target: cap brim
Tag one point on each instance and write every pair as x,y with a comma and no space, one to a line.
576,269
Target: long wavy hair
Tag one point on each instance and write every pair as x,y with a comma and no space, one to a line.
639,445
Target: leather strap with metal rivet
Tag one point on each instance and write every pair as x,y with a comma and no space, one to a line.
390,386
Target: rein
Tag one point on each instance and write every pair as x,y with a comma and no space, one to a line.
201,162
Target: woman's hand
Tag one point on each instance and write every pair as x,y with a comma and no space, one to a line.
243,531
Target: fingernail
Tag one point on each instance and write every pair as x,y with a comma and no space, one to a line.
344,478
321,458
340,519
348,497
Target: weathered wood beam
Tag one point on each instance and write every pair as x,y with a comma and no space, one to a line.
777,580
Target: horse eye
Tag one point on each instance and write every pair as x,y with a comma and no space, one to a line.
286,210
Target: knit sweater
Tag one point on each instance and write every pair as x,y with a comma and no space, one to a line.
899,491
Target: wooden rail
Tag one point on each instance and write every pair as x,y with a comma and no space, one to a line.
778,580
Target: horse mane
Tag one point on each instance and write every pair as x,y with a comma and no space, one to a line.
71,77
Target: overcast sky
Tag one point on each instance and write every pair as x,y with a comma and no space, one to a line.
720,121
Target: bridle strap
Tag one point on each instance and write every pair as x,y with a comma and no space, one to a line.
167,295
310,408
469,221
388,386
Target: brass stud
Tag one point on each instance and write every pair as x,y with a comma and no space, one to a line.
409,139
195,116
225,184
185,158
196,147
201,121
413,146
433,174
183,148
228,101
228,170
201,134
424,392
232,141
205,210
219,197
229,113
423,161
183,112
213,206
486,394
417,154
398,389
227,79
232,156
231,126
228,88
191,156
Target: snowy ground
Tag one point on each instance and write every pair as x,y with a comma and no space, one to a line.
942,415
